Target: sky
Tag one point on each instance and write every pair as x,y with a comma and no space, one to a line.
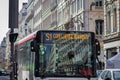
4,16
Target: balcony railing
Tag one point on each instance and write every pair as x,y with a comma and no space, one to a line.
98,7
112,35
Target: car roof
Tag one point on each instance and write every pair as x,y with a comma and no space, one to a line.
113,69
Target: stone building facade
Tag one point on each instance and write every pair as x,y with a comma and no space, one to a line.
111,27
78,15
22,16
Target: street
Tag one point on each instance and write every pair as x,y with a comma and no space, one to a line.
4,78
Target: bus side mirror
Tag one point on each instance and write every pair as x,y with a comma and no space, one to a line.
97,43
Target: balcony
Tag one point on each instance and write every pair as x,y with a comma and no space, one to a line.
112,36
98,7
29,15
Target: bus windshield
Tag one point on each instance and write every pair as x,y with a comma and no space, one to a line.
66,54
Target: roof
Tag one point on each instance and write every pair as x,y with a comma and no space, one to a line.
29,37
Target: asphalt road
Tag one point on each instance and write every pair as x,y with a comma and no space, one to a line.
4,78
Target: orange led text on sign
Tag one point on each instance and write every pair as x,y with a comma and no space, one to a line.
50,36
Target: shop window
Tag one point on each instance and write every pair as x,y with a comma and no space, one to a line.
111,52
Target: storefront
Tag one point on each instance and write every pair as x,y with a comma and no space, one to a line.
112,47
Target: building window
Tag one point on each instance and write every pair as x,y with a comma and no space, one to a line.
73,7
114,20
79,4
37,5
108,23
111,52
99,27
59,17
99,3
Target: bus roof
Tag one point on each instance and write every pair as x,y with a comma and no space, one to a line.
33,35
29,37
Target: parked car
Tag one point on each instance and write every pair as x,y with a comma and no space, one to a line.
2,72
113,74
7,72
98,72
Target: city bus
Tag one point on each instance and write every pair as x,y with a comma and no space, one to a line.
61,55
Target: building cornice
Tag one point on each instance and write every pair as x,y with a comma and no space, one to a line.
111,38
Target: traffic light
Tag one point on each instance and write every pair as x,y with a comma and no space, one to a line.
42,49
13,37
